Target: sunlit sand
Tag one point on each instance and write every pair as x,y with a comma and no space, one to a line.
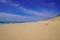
43,30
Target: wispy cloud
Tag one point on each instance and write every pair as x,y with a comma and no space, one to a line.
38,15
9,2
3,1
14,17
43,13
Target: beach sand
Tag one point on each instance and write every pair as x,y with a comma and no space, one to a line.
44,30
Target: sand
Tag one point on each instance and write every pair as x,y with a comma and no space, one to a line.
43,30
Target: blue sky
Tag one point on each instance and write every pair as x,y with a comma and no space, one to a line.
28,10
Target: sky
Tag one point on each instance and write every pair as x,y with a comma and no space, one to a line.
28,10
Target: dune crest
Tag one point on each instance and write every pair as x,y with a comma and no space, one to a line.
55,20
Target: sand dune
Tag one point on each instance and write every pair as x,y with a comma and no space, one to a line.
43,30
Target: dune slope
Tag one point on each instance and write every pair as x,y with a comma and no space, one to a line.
43,30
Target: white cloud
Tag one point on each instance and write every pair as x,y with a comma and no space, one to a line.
9,2
13,4
3,1
44,12
14,17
